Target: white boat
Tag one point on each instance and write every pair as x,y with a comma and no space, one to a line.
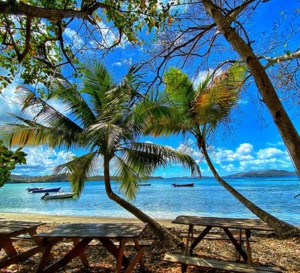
59,195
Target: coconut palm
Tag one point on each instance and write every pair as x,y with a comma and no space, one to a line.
183,109
100,117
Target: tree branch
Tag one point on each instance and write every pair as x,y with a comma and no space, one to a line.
282,58
13,8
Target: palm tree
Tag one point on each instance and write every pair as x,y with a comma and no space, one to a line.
102,118
183,109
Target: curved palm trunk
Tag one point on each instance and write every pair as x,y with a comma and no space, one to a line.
281,228
165,235
283,122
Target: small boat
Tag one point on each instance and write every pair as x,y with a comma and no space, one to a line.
145,184
33,189
183,185
59,195
46,190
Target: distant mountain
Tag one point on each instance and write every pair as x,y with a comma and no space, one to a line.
265,173
55,178
63,178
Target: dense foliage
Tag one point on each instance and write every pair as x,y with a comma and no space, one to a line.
45,36
8,160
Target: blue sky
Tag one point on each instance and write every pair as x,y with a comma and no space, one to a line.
250,143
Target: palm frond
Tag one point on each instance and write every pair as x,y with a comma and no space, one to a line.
78,170
29,132
97,82
214,103
127,177
144,158
179,90
72,100
154,116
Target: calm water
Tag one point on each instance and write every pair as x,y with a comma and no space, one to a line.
162,201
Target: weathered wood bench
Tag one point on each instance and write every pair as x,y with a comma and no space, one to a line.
142,243
215,264
217,237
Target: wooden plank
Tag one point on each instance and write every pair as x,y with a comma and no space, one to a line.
142,243
239,223
219,265
217,237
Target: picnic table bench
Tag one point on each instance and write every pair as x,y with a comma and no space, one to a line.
226,224
83,234
10,230
216,264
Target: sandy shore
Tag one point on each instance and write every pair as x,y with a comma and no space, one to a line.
75,219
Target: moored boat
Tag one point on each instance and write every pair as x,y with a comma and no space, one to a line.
183,185
59,195
33,189
145,184
46,190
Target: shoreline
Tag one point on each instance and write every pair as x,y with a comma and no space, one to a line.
52,219
76,219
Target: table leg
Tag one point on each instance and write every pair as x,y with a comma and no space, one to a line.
81,254
199,238
74,252
235,243
248,234
188,239
45,255
8,247
135,260
137,247
114,250
240,242
137,257
120,255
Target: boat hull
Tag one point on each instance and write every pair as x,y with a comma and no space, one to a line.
33,189
58,196
183,185
46,190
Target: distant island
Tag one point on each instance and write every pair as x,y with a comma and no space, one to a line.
265,173
64,178
56,178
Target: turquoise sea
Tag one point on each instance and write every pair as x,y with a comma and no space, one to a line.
162,201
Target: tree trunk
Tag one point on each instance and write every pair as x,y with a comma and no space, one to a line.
284,124
281,228
168,238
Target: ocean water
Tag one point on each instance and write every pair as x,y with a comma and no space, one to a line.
162,201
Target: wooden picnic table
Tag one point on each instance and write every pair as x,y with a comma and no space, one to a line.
82,234
226,224
9,232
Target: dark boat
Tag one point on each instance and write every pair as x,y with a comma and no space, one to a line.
183,185
145,184
33,189
46,190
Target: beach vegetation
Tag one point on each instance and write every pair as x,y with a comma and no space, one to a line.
8,161
102,118
197,111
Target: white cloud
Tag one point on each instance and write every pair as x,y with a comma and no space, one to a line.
8,103
244,149
42,160
271,153
244,158
73,36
